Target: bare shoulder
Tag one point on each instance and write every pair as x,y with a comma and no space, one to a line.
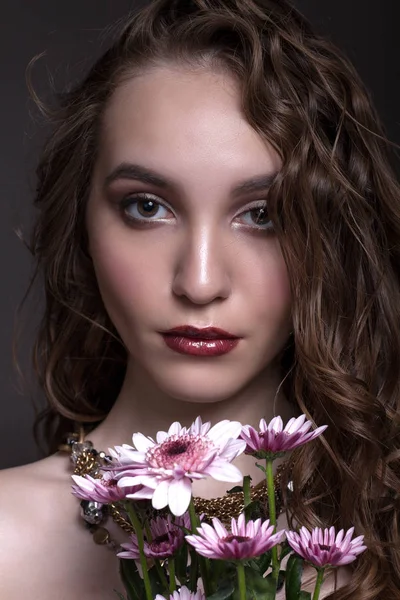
36,476
31,500
45,550
25,492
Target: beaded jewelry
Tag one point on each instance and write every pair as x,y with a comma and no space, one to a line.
87,460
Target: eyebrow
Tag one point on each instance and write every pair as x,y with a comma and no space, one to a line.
137,172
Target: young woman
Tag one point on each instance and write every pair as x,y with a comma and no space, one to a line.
221,166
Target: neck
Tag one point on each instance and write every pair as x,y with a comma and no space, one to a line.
141,407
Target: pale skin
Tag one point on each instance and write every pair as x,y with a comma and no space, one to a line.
204,258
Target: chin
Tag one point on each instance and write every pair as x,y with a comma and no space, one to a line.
197,388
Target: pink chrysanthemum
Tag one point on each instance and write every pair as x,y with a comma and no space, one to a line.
322,547
183,594
167,536
180,455
244,541
105,489
273,439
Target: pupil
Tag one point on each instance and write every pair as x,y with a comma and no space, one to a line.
147,208
259,216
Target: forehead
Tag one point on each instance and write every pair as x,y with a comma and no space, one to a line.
188,123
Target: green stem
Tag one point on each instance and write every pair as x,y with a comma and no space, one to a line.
246,494
193,571
194,521
318,583
241,580
161,573
171,570
203,564
272,515
139,534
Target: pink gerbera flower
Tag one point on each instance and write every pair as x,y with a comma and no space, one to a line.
273,439
244,541
183,594
322,547
167,536
170,464
105,489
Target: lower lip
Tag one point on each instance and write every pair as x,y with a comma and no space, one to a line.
200,347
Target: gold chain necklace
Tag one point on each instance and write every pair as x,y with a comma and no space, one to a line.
88,461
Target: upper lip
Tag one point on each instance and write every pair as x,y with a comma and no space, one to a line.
210,333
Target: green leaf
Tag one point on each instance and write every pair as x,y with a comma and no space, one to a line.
281,580
255,582
237,488
156,585
254,510
252,594
263,469
264,561
285,550
305,596
181,559
131,579
294,571
194,570
223,592
220,571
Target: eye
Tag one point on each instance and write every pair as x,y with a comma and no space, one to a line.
257,217
143,207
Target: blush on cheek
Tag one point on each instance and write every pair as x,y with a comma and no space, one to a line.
120,278
268,285
130,275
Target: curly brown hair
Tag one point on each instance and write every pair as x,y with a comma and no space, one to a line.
336,209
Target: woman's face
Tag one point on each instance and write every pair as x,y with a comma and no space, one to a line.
179,234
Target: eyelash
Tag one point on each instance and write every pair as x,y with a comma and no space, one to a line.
128,201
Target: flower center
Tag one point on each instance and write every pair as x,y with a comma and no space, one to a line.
110,482
189,452
176,447
324,547
160,539
238,538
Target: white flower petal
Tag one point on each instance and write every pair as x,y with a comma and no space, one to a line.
83,483
175,428
179,495
219,528
275,425
294,424
144,493
160,496
195,428
232,449
141,442
223,471
224,430
145,480
263,425
161,437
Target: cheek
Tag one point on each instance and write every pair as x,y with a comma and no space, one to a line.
268,287
128,275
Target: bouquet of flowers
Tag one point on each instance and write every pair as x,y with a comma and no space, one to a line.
174,553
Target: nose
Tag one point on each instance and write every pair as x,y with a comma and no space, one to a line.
202,273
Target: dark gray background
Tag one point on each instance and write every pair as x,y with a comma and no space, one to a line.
72,34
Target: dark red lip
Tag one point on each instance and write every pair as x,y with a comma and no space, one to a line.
206,333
